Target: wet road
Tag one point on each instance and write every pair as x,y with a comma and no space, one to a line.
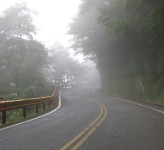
89,121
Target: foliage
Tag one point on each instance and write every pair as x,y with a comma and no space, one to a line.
125,38
14,115
21,57
63,69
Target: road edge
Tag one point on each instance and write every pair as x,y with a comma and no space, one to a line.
143,105
134,102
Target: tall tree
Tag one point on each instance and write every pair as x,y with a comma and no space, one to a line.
21,57
125,37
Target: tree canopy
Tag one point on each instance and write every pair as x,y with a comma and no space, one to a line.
125,38
21,57
63,70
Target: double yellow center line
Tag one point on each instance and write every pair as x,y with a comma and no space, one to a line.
78,140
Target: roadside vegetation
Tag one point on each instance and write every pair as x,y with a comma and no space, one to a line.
27,68
126,40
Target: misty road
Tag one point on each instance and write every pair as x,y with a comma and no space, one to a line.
89,121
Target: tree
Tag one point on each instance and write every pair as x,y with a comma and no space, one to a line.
21,57
63,70
125,38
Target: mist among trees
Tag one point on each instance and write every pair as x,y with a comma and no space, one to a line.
126,40
27,67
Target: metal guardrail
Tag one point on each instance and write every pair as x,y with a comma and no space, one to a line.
6,105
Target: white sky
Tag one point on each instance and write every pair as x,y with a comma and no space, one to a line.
53,18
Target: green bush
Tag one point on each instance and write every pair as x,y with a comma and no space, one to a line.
15,115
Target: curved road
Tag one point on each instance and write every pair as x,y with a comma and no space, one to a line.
89,121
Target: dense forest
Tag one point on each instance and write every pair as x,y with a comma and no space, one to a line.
27,67
126,40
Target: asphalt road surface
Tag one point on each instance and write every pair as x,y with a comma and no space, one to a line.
89,121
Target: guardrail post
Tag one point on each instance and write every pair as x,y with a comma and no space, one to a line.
44,106
24,112
37,108
3,116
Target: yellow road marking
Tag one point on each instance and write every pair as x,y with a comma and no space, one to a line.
84,131
91,131
74,139
84,139
92,127
103,118
99,116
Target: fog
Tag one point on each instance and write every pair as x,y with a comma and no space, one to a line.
91,78
123,40
51,18
84,57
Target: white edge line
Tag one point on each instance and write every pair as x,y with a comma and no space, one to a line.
59,105
160,111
